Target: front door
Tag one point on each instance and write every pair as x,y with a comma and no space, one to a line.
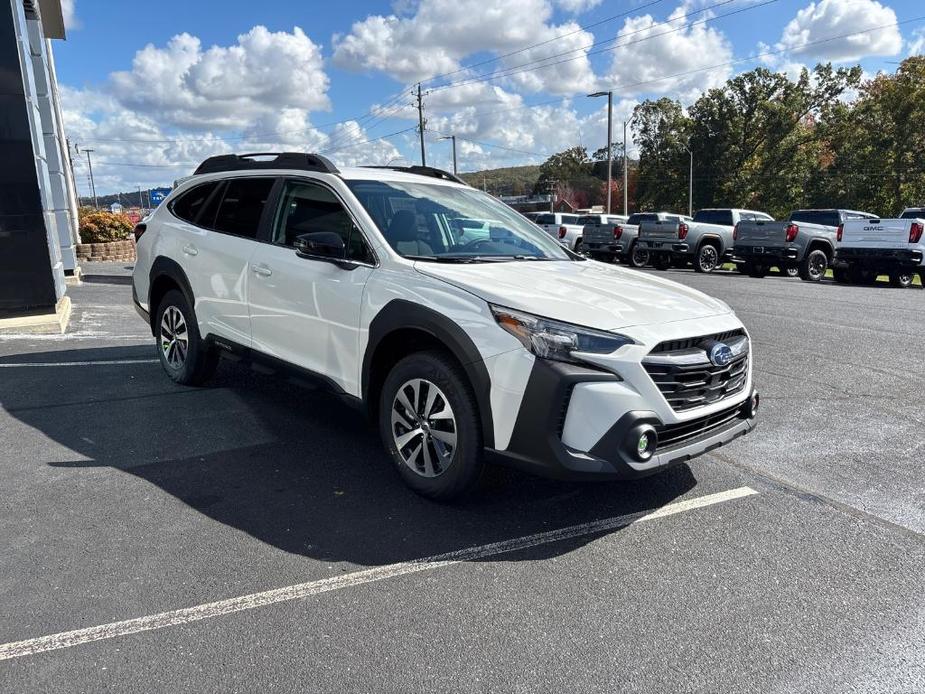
307,311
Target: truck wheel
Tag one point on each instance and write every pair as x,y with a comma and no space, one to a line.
184,356
744,268
661,261
707,259
790,270
901,279
757,270
637,256
813,266
842,275
429,423
602,257
578,246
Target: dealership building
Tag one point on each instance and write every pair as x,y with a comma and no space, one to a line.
38,202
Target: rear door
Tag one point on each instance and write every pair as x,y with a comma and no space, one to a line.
216,252
306,311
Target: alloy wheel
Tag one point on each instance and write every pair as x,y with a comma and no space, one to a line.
424,427
640,256
817,265
174,337
709,258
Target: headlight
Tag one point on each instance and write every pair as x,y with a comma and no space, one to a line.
551,339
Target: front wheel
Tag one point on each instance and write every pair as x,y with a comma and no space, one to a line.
183,354
707,258
790,270
813,266
428,420
901,279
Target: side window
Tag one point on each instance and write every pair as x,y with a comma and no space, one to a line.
188,206
307,208
569,219
242,205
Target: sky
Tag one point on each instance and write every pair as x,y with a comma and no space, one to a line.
155,88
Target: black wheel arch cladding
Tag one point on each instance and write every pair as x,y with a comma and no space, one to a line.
400,314
166,268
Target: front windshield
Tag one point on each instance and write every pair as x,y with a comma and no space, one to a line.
443,223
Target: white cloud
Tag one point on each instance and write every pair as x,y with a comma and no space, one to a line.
577,6
831,18
224,87
437,34
674,59
566,68
69,11
916,44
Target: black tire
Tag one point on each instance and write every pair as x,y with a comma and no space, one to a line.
757,270
602,257
424,472
660,261
868,278
637,257
814,265
902,279
189,362
579,246
744,268
708,258
842,275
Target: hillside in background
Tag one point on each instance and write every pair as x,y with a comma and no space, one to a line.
512,180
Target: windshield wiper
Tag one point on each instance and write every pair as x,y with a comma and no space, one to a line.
446,258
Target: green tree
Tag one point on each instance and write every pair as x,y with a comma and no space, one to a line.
661,130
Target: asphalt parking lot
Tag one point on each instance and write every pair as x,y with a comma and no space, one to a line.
250,536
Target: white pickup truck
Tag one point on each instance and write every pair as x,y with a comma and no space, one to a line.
562,226
867,248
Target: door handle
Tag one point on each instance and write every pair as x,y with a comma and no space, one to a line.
261,270
190,249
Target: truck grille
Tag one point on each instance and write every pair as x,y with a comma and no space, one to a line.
686,377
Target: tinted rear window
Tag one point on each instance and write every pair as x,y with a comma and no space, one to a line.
914,213
188,205
589,219
829,218
636,219
723,217
545,219
242,206
569,219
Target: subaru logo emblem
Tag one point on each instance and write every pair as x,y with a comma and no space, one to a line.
720,354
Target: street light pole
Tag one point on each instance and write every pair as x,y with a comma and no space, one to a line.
609,95
453,138
96,203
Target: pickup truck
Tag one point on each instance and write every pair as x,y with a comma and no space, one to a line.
705,241
805,241
867,248
562,226
620,241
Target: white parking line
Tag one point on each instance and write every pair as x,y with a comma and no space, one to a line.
101,362
67,639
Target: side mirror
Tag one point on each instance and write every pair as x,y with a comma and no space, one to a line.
322,245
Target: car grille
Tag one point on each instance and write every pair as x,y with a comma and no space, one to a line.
686,377
676,435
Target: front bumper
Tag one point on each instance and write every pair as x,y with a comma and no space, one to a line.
537,445
879,258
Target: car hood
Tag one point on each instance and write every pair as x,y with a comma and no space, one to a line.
586,293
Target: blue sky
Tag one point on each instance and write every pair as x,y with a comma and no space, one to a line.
154,89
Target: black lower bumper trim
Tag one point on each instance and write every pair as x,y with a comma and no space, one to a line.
880,258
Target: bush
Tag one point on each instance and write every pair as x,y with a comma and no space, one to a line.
97,226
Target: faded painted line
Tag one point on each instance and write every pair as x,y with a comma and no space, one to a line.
67,639
101,362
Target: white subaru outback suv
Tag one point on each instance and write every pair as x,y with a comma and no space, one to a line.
463,341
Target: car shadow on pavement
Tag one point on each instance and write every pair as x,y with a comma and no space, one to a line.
292,467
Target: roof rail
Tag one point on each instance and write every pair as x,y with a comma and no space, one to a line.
279,160
423,171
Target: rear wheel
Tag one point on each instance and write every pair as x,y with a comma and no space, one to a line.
757,270
661,261
707,259
814,265
901,279
602,257
842,275
428,420
183,354
790,270
579,246
637,256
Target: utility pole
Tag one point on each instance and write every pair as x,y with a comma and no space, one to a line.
96,203
141,200
421,124
690,188
453,138
551,187
625,176
609,95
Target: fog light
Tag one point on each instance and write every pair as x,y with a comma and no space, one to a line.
642,446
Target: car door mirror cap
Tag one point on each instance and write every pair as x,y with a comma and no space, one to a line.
323,245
